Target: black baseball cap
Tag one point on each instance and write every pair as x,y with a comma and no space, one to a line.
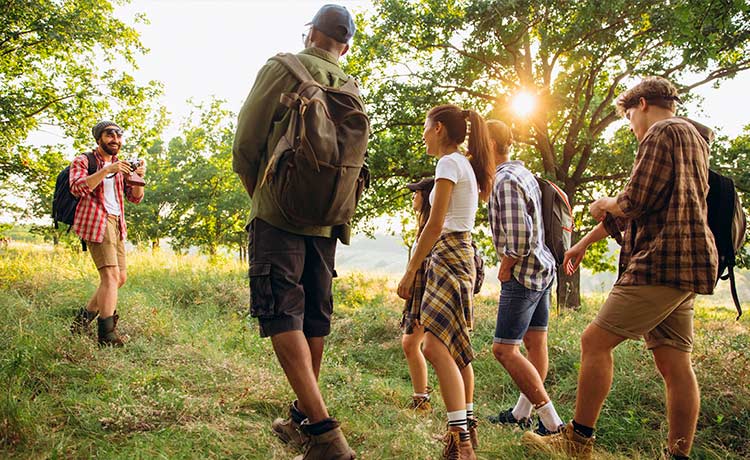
334,21
425,184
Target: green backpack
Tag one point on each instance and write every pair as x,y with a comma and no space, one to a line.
317,171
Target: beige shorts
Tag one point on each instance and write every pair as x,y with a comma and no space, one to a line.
111,251
662,315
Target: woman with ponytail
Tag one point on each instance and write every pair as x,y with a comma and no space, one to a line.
447,303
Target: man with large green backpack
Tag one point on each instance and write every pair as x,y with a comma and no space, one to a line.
299,150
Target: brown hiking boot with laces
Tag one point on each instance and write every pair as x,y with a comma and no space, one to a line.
421,404
455,449
473,422
288,429
330,445
566,441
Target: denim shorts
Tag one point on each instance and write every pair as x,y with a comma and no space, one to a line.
520,310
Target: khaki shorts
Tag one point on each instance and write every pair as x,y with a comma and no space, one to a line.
111,251
662,315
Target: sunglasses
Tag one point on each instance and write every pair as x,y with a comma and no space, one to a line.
113,132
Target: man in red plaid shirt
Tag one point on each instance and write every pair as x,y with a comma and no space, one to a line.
100,222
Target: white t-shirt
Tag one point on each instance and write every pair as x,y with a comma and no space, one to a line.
464,202
110,200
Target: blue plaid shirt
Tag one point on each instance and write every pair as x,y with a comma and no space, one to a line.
515,211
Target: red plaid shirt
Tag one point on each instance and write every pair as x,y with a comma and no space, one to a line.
90,221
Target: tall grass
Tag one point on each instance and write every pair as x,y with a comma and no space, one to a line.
196,381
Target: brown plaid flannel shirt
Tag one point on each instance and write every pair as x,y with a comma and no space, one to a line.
665,236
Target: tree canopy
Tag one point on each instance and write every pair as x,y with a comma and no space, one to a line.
572,58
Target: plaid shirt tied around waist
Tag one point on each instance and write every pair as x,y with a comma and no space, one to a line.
664,233
90,221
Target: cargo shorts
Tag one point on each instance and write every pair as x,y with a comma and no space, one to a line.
291,279
662,315
111,251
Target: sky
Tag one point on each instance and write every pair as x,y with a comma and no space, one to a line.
205,48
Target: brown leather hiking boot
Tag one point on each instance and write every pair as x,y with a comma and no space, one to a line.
566,441
82,320
473,422
288,429
108,335
421,404
330,445
455,449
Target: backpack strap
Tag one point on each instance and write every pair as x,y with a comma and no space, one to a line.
300,72
733,288
93,165
295,67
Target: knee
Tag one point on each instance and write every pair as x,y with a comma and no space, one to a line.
503,352
410,345
430,352
589,343
110,277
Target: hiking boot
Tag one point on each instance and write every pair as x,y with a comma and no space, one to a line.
473,422
507,418
542,430
421,404
330,445
455,449
82,320
566,441
108,335
288,429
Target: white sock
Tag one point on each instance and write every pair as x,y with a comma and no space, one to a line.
549,417
458,418
470,409
421,395
523,408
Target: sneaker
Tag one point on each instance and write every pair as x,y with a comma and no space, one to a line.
330,445
455,449
288,429
507,418
542,430
566,441
473,422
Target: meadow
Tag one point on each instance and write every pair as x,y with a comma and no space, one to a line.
196,381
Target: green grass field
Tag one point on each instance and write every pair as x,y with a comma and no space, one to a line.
196,381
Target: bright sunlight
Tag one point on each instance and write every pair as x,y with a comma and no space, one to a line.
523,104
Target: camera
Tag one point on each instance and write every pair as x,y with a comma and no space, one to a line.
133,178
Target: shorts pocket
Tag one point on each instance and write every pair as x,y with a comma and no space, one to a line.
261,295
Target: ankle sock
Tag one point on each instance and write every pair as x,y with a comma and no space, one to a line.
297,415
548,416
469,410
583,430
457,418
318,428
523,408
421,395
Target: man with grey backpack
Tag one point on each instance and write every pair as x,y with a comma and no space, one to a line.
300,151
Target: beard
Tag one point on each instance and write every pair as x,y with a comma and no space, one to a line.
110,149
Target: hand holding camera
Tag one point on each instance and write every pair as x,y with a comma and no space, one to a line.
138,170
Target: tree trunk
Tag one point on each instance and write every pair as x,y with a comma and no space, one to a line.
568,289
155,244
